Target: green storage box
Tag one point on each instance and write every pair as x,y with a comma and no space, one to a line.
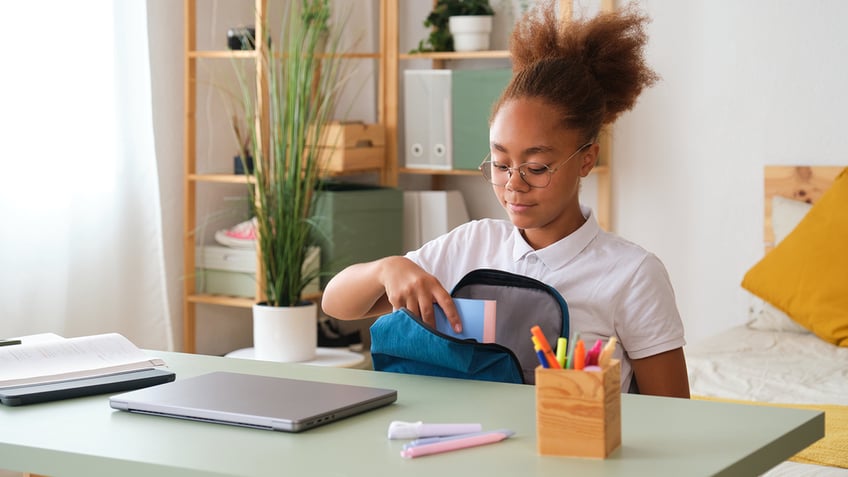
357,223
473,93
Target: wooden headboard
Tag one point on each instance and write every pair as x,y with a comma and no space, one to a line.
804,183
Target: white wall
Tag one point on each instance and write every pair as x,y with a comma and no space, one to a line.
744,84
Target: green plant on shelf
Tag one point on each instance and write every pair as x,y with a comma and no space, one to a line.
440,38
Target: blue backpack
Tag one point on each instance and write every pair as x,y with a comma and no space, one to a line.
402,343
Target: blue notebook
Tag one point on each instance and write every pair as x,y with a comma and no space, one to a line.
478,317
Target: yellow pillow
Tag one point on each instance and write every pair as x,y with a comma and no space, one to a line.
806,275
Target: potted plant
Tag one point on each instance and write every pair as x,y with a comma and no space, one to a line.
302,86
468,32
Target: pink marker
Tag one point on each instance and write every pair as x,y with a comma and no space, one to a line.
456,443
594,353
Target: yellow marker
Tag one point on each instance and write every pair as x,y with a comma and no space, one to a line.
561,350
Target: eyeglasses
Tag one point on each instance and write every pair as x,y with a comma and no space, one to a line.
534,174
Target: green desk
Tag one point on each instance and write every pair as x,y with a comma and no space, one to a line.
660,436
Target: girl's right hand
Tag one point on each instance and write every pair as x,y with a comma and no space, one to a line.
408,285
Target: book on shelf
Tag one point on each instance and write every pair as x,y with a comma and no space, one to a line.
478,319
47,367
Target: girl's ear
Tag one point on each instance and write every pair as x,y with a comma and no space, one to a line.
590,158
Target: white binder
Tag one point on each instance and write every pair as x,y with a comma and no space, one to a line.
427,119
429,214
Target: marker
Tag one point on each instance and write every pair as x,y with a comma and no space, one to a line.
414,430
540,355
432,440
561,351
9,342
542,360
593,354
606,353
579,355
456,443
546,347
570,356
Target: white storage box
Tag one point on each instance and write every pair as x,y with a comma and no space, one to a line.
231,271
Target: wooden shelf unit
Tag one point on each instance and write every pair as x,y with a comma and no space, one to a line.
388,96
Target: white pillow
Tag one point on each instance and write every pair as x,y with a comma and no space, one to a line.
785,215
764,316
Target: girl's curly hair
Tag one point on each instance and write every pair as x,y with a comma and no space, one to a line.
591,70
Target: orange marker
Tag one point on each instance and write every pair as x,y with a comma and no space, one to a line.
579,355
546,347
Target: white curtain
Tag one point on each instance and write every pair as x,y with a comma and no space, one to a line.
81,248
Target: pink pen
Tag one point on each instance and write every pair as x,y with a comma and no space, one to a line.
456,443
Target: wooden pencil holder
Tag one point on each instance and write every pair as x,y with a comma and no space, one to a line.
578,413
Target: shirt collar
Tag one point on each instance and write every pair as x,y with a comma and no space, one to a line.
563,251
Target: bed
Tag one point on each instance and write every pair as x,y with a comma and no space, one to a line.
801,361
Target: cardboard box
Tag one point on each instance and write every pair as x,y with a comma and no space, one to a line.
578,413
352,146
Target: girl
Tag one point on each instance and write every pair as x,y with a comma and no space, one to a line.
567,83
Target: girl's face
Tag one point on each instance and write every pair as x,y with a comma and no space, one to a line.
528,130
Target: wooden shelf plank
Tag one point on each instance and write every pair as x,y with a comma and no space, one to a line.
237,301
222,54
251,54
455,55
599,169
221,178
439,172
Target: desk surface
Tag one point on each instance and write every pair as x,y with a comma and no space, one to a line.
335,357
661,436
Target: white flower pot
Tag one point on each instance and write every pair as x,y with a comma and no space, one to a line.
286,334
470,32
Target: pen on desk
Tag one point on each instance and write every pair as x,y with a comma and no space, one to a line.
414,430
546,347
431,440
9,342
456,444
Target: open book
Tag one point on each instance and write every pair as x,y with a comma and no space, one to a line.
478,319
46,367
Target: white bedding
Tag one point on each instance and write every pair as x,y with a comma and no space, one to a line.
771,366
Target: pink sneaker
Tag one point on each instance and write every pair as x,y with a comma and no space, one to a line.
242,235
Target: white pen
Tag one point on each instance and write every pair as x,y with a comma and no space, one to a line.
455,443
414,430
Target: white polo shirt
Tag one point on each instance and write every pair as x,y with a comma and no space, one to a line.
612,287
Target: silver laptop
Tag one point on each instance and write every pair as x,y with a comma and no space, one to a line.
263,402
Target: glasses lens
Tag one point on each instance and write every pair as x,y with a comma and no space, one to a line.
488,169
535,174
